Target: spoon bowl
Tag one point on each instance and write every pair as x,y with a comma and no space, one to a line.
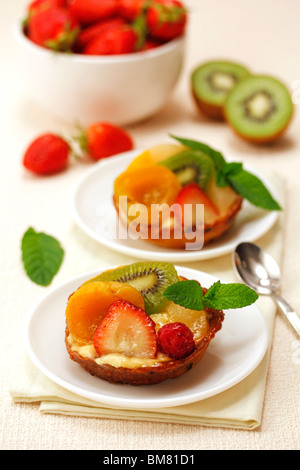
259,270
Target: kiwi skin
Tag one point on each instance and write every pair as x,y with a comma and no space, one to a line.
256,139
211,111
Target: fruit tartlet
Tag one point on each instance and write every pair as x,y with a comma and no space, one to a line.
137,325
158,197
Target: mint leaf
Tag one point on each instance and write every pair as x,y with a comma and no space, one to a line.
42,256
228,296
217,158
188,294
232,174
252,188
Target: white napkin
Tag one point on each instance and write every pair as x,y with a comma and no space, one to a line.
239,407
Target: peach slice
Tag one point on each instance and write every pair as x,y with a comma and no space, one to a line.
88,305
154,155
157,185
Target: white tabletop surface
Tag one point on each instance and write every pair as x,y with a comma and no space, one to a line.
263,34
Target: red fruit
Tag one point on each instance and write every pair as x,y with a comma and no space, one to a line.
176,340
131,9
47,154
38,5
166,19
118,40
91,32
192,194
126,329
102,140
90,11
53,28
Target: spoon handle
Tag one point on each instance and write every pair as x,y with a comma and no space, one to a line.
289,313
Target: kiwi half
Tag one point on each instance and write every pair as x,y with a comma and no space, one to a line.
149,278
212,81
259,108
190,167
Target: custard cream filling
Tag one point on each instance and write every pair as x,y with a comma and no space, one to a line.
114,359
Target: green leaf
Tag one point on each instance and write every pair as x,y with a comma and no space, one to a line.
228,296
188,294
252,188
232,174
217,157
42,256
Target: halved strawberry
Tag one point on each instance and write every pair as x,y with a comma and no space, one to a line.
193,195
126,329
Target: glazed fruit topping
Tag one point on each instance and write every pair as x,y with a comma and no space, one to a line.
126,329
176,340
88,306
192,194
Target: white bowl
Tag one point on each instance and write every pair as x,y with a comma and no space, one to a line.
120,89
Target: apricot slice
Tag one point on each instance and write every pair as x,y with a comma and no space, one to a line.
154,155
157,185
88,305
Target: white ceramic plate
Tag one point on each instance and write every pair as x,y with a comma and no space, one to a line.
232,355
94,212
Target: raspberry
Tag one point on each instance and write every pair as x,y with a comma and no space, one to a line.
176,340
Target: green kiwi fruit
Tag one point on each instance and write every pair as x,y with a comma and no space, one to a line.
259,108
190,166
149,278
212,81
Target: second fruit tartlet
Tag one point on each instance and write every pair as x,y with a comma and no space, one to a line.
159,195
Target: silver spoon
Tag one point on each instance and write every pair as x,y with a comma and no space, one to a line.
258,270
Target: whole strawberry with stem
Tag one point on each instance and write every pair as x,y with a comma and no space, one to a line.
49,153
166,19
102,140
53,28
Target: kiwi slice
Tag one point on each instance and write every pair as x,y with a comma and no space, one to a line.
259,109
149,278
212,81
190,166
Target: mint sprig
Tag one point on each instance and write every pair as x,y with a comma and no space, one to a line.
42,256
189,294
232,174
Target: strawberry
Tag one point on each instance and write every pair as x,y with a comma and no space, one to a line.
176,340
53,28
193,194
102,140
131,9
90,11
166,19
92,31
47,154
121,39
38,5
126,329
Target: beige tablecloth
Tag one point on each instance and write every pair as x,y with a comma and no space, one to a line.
265,36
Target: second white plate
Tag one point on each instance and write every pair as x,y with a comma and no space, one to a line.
94,212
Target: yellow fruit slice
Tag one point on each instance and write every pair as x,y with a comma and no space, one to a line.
88,305
194,319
